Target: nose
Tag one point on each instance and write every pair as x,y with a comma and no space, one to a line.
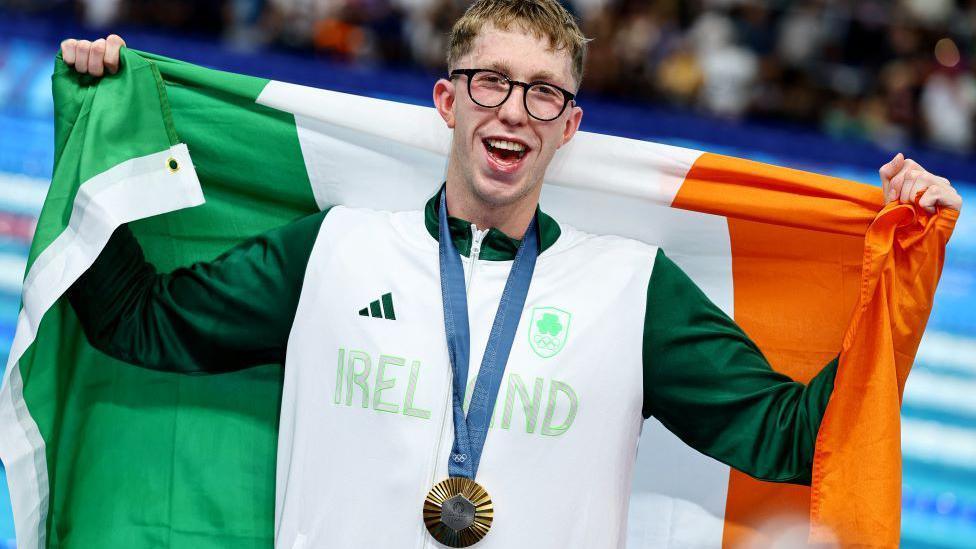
512,111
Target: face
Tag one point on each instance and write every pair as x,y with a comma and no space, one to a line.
481,163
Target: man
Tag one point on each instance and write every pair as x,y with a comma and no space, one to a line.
353,463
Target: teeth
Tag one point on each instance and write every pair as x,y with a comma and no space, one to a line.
508,145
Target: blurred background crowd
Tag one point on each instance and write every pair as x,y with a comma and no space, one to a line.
889,71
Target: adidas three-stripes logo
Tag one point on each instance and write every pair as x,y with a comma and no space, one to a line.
381,308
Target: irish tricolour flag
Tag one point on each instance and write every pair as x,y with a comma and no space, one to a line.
103,454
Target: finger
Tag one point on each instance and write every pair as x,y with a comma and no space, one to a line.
932,198
897,184
938,193
941,181
948,198
894,187
96,58
112,45
82,49
953,200
937,196
68,51
914,182
888,171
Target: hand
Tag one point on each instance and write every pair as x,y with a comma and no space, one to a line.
93,57
904,179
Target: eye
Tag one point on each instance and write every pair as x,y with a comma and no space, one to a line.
489,79
545,90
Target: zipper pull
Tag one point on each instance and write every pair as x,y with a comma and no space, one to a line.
476,237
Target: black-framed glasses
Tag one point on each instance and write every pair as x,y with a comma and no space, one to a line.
543,101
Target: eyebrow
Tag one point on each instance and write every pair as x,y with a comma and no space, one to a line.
539,76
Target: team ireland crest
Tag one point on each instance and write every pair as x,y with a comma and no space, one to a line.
548,330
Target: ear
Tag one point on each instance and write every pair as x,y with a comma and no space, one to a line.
444,96
572,123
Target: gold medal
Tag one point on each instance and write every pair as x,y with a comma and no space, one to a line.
458,512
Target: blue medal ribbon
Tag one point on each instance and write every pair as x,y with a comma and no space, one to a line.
471,431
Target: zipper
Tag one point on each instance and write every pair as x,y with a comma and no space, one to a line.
476,237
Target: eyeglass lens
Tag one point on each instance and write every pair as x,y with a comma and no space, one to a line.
490,90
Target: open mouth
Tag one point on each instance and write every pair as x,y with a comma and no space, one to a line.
505,153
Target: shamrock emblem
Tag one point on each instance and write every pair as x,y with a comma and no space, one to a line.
548,330
549,324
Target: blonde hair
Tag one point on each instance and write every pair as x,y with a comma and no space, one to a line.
544,18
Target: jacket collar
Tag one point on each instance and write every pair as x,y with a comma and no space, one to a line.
496,245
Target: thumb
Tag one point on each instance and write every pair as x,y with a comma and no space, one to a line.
888,171
891,168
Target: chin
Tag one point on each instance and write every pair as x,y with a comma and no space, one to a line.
498,193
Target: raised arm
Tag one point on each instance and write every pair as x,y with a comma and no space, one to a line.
230,313
233,312
708,383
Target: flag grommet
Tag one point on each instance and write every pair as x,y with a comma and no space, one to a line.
172,164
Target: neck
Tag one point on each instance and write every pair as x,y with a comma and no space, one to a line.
512,219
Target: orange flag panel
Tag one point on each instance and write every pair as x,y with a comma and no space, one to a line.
818,271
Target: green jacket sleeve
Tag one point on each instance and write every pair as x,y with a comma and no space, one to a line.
708,383
230,313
